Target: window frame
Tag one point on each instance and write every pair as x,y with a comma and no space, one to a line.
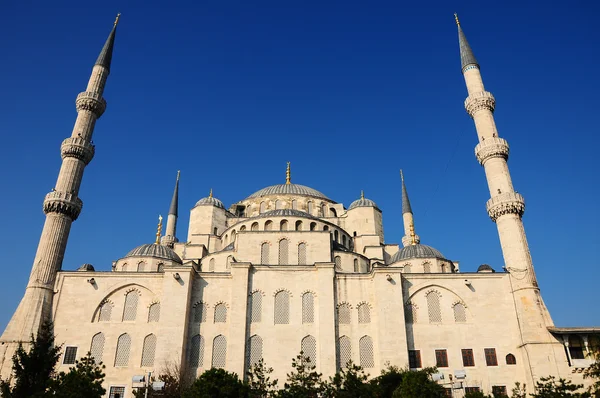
499,390
444,352
110,387
470,362
414,358
489,359
64,356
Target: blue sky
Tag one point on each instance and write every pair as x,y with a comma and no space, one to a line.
349,92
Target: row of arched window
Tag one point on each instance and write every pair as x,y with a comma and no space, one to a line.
322,208
429,268
281,312
358,266
141,267
123,349
130,309
344,313
219,352
365,352
434,311
201,312
283,253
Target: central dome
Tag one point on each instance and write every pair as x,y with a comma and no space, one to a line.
288,189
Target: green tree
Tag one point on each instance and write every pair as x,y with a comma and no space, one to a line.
217,383
418,384
549,387
259,380
350,382
385,384
303,381
593,372
519,390
83,380
33,369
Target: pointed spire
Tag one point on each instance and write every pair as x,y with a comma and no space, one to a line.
466,54
210,195
175,201
405,202
362,194
105,56
288,174
158,230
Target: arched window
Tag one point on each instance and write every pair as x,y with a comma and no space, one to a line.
229,261
268,225
215,230
324,210
254,352
264,253
282,308
160,268
302,254
407,268
148,350
122,352
130,308
308,346
354,234
197,352
294,204
410,313
200,311
220,313
141,266
345,351
460,314
248,211
338,262
254,227
511,360
364,313
283,226
263,207
124,267
313,226
325,227
308,307
97,347
278,205
154,312
344,314
443,268
309,207
105,311
426,268
332,212
298,225
336,235
233,234
433,307
242,228
211,265
344,240
255,307
365,345
219,355
356,265
283,252
225,239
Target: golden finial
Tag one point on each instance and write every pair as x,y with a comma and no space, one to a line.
456,19
117,19
362,194
288,174
210,193
158,230
412,233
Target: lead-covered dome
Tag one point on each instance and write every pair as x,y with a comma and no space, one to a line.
362,202
156,251
210,201
416,251
288,189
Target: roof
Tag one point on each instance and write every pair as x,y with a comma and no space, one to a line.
175,201
576,329
485,268
154,250
86,267
466,54
210,201
362,202
416,251
288,189
105,57
405,202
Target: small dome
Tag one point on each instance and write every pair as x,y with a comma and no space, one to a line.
210,201
154,250
485,268
362,202
86,267
416,251
288,189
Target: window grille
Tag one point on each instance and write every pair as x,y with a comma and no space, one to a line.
344,314
263,207
499,391
149,350
160,268
345,351
364,313
511,360
490,357
283,225
302,254
338,263
441,358
220,313
308,346
255,307
70,356
282,308
211,265
254,351
97,347
460,315
298,225
116,392
130,309
278,205
427,268
433,307
264,253
471,389
283,252
268,225
197,352
407,269
200,311
467,357
356,265
294,204
414,359
365,345
141,267
254,227
105,311
410,313
122,353
154,312
219,355
308,308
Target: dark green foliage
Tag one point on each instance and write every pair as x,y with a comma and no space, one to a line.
83,380
519,390
350,382
418,384
176,380
549,387
259,381
33,370
385,384
303,381
593,372
217,383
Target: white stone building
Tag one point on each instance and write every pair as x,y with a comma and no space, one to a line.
289,269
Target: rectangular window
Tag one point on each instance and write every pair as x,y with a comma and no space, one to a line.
471,389
447,392
116,392
441,358
467,355
499,391
414,359
70,356
490,357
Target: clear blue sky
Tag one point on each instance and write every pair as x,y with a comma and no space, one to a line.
349,92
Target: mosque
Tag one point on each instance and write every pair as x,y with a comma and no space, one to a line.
287,269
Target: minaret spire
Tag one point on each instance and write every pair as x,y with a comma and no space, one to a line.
61,206
170,238
409,238
466,54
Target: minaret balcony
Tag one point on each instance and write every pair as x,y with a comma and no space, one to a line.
77,147
505,203
63,203
90,101
478,101
491,148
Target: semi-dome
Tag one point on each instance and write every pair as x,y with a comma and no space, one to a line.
210,201
362,202
288,189
416,251
156,251
485,268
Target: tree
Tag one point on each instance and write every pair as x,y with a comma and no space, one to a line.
259,381
519,390
548,387
593,372
83,380
176,378
33,370
418,384
303,381
350,382
385,384
217,383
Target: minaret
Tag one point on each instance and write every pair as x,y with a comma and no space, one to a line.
61,206
505,208
409,238
170,238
